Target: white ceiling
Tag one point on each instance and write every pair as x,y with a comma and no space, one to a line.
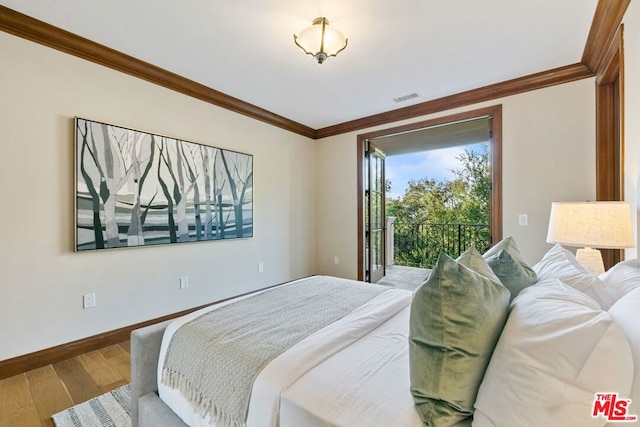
245,48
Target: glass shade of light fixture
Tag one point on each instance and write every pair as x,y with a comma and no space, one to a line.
605,225
320,40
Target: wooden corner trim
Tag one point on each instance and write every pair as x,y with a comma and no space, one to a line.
606,20
612,63
40,32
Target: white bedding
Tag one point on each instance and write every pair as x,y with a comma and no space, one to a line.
354,372
366,384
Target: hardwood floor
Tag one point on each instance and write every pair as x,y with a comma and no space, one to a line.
29,399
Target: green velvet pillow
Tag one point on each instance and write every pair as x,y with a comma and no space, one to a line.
509,265
457,316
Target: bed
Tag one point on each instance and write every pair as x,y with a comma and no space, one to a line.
359,368
300,378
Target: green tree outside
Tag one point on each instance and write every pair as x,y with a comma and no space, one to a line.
448,216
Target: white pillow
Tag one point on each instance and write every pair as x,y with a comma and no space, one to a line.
556,351
626,313
633,262
562,264
621,279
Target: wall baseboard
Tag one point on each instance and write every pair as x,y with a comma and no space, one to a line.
27,362
47,356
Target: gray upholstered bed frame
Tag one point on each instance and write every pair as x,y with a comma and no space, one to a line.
147,410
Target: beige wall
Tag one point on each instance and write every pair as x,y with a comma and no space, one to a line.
632,113
548,155
305,193
42,280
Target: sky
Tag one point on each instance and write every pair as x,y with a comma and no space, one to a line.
435,164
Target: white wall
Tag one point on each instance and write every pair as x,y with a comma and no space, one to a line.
548,155
631,113
42,279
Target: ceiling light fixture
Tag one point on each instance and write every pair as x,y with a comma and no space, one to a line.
320,41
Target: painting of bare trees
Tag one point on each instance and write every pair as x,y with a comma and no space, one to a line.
135,188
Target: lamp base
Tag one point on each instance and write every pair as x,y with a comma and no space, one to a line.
591,260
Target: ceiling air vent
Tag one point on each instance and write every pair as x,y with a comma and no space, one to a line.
407,97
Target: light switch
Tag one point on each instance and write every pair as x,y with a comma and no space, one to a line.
184,282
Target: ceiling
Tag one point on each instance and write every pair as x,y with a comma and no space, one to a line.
245,48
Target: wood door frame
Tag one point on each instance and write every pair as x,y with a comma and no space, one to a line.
494,113
610,131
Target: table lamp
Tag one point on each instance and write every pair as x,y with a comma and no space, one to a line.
590,225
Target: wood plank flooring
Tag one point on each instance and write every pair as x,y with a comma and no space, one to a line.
29,399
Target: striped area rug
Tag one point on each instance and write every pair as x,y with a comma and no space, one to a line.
112,409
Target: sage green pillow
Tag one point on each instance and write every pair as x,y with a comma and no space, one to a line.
456,318
509,265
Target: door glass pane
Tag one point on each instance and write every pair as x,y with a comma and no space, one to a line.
377,250
376,216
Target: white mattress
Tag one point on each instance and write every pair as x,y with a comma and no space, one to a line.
354,372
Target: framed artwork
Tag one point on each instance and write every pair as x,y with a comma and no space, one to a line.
135,188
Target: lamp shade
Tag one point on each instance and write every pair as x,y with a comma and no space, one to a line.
320,40
605,225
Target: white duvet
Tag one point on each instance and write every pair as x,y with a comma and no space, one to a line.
354,372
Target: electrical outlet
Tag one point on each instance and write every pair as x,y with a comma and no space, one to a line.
89,300
336,260
261,268
184,282
523,219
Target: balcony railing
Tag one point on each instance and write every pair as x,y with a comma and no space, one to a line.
419,244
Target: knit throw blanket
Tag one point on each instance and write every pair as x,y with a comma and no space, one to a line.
214,359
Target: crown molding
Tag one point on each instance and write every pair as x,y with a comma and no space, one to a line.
540,80
607,18
40,32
